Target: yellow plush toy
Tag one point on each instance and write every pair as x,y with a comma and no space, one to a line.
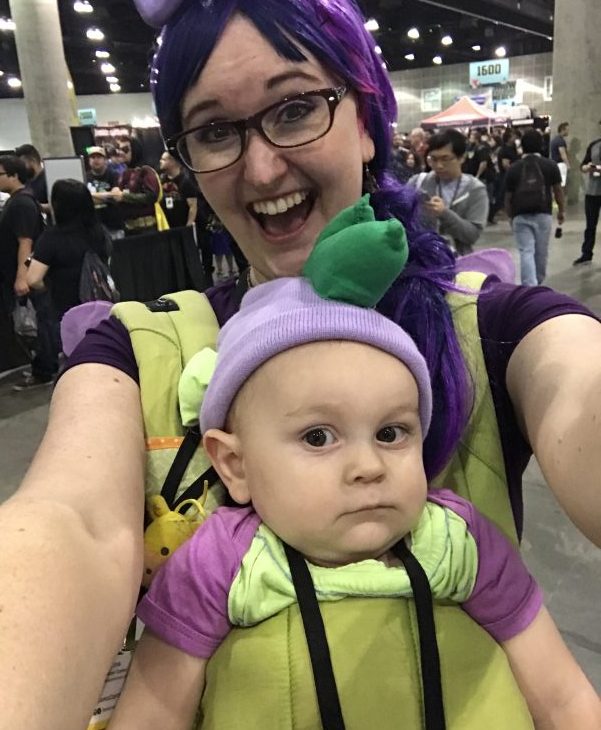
168,530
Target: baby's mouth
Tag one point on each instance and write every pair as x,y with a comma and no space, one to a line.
283,216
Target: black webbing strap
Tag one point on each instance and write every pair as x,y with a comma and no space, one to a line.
178,468
195,490
319,651
430,661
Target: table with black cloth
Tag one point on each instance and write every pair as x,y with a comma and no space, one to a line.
149,265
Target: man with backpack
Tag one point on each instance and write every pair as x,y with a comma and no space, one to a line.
530,187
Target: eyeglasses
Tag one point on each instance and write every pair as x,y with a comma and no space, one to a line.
5,173
292,122
443,160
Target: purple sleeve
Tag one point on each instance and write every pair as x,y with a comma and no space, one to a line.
187,604
506,314
505,599
108,343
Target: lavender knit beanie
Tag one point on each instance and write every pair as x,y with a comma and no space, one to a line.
286,313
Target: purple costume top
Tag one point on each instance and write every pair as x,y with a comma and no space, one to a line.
506,314
187,604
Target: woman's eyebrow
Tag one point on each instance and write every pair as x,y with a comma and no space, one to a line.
292,74
270,84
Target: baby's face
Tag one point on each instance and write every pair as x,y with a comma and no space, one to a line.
332,450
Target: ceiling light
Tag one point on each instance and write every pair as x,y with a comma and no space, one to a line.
476,48
107,68
378,50
112,79
501,52
410,56
446,40
437,60
1,73
372,25
69,84
95,34
14,82
115,87
413,33
102,54
7,24
82,7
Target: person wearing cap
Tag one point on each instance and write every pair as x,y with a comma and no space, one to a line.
103,184
325,462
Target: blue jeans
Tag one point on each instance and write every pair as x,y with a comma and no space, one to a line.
532,232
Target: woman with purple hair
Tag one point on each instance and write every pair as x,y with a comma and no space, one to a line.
284,112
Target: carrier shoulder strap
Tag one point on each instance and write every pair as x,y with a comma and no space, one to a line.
323,673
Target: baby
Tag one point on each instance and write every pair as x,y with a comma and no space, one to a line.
314,419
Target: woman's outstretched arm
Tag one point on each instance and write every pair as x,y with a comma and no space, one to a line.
71,553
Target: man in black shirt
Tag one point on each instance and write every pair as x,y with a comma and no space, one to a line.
179,193
558,150
103,183
36,174
479,163
530,185
20,225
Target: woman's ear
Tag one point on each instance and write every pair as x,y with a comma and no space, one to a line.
225,451
368,148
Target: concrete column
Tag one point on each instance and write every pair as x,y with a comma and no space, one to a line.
576,78
46,81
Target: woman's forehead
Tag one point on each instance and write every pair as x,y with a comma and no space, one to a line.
245,66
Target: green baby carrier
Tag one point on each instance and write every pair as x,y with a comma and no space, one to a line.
262,677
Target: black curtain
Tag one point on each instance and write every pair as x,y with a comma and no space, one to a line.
152,264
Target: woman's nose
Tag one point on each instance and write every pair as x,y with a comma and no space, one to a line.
264,164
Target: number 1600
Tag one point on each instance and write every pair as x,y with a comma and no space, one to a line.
489,69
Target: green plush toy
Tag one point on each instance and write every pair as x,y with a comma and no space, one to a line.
357,258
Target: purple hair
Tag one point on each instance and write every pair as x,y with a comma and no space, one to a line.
333,31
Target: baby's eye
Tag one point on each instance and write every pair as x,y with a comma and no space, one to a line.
391,434
319,437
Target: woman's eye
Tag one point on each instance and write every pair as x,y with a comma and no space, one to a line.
391,434
215,135
294,112
319,437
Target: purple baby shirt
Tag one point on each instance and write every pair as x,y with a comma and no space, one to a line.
187,604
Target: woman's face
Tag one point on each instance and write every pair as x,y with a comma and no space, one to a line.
244,75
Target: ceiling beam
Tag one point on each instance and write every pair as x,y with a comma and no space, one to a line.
497,14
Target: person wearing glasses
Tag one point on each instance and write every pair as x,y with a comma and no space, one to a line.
454,204
283,111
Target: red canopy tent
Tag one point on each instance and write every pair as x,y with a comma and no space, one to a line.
464,113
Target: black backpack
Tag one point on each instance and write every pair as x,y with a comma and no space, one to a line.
95,280
530,195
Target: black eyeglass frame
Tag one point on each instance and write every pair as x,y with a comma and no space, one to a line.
333,97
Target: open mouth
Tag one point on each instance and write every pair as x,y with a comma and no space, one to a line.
283,216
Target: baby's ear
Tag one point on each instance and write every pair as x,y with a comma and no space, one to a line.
225,451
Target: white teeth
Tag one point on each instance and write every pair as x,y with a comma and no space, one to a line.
279,205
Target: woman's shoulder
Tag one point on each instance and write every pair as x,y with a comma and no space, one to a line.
507,312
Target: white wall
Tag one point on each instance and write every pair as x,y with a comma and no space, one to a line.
121,108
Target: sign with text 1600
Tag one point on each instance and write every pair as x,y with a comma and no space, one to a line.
490,72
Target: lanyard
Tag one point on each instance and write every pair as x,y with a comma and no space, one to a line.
455,194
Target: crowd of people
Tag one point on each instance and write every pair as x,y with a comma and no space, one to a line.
368,415
43,242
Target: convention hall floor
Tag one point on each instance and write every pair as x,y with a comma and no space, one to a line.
567,566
